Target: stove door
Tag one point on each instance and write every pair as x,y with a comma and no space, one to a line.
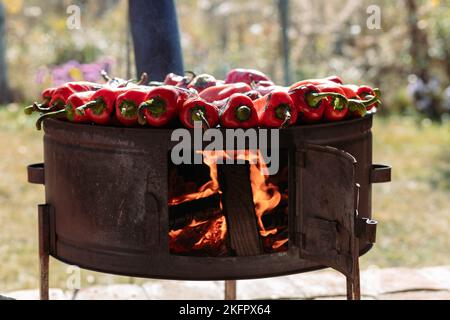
326,203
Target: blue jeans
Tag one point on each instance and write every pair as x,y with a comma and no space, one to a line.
156,37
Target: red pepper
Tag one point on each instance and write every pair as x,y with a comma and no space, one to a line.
365,92
202,82
239,87
63,93
186,80
335,79
101,106
224,91
254,95
172,79
264,83
336,106
239,112
127,105
46,97
197,109
210,94
276,110
263,90
308,100
330,80
248,76
358,106
159,107
73,102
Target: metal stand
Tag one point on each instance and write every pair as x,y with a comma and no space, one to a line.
230,290
44,253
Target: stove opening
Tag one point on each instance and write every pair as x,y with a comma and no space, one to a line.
228,209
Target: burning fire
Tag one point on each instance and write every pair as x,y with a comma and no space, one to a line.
209,235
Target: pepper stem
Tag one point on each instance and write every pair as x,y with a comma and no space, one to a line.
287,119
366,103
356,106
313,99
81,111
201,116
105,76
143,80
56,114
243,113
377,92
38,107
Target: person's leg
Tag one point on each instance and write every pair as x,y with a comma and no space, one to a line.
154,27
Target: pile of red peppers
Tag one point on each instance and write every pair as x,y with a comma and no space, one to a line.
245,99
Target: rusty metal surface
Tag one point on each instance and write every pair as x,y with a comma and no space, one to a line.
380,173
36,173
325,206
107,188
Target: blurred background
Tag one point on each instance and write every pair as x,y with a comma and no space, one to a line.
402,47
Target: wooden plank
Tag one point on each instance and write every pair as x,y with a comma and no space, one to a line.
238,207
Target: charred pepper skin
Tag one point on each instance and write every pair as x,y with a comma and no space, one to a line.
197,109
202,82
160,107
238,112
276,110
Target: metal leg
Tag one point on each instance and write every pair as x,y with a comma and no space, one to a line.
230,290
44,253
356,282
350,293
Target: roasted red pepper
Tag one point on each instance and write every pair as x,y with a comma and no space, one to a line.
101,106
238,112
69,112
336,106
46,97
254,95
239,87
127,105
172,79
309,102
63,93
265,90
159,107
276,110
248,76
366,92
361,99
320,81
201,82
197,109
224,91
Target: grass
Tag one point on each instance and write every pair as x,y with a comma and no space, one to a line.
413,211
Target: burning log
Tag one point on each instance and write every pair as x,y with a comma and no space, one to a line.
203,209
239,209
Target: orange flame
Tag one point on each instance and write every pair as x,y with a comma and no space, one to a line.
266,197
